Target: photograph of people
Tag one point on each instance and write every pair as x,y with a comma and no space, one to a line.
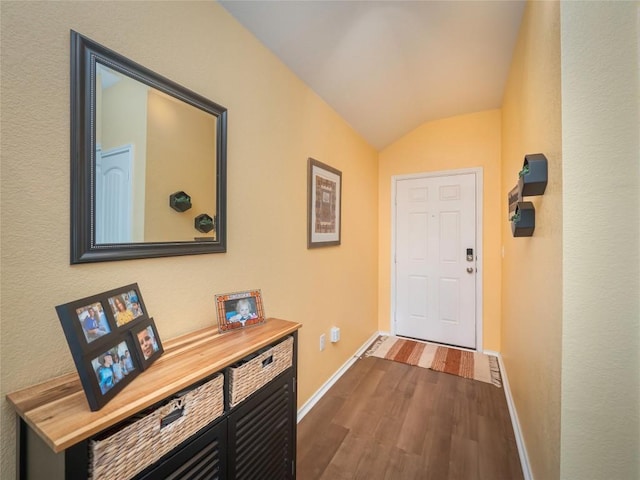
110,367
135,307
93,321
131,300
104,372
148,343
243,312
125,307
122,313
118,371
128,361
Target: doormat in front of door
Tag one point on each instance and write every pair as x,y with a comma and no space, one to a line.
463,363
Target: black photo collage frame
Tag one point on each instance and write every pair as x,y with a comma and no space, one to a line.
112,340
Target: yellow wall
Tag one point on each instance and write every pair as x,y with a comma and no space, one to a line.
464,141
601,235
532,266
275,124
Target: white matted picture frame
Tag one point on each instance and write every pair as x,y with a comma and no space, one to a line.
324,204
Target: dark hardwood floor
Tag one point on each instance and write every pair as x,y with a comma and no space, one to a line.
387,420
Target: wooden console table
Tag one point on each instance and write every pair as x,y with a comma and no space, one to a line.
58,413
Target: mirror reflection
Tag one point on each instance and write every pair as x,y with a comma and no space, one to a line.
150,145
148,161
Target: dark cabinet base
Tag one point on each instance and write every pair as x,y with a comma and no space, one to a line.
256,440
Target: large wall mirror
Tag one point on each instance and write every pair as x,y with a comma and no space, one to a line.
148,162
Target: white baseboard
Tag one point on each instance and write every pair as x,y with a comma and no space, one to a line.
522,450
308,405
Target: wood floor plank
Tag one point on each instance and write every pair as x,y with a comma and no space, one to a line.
374,461
344,464
492,453
417,420
463,463
437,454
387,431
464,416
320,423
351,379
314,457
388,420
400,398
402,465
360,401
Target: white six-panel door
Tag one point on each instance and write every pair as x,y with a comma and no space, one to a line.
114,195
435,285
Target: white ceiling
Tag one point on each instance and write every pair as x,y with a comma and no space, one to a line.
389,66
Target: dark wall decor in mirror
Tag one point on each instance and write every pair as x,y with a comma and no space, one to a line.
136,139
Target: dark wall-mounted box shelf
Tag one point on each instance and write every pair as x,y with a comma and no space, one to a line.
533,177
523,222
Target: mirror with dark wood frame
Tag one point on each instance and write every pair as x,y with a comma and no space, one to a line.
148,162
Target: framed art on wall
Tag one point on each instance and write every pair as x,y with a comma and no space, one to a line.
324,198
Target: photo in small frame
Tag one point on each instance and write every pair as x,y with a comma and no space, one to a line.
147,341
112,366
87,324
239,310
93,321
126,305
105,374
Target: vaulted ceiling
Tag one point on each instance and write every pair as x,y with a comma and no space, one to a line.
389,66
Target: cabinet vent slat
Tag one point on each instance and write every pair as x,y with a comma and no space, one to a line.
275,469
251,457
273,420
272,403
207,473
278,451
206,460
263,447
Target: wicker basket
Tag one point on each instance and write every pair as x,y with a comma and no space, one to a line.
133,448
250,376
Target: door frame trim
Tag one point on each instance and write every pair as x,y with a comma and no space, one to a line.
478,172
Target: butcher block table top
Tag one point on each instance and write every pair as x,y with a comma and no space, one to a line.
57,410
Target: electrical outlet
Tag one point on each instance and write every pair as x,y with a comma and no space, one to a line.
335,334
323,341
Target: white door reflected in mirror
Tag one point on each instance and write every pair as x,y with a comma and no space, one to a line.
113,196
